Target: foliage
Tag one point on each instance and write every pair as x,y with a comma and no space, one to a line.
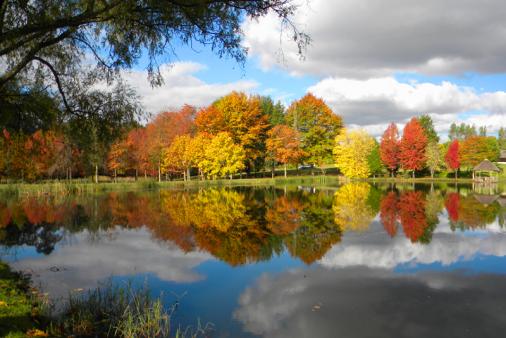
242,118
352,151
47,45
389,148
389,214
412,146
283,144
428,127
351,210
374,160
275,111
412,215
222,157
318,125
178,157
452,157
461,132
475,149
434,156
501,138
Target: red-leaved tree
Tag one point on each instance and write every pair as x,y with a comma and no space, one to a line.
452,157
412,146
389,148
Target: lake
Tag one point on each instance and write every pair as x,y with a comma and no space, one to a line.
358,260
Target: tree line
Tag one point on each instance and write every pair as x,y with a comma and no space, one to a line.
240,134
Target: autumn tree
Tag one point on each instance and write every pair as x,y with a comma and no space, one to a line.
389,213
351,210
178,156
283,143
412,146
412,214
452,157
318,125
163,129
351,152
223,157
389,148
475,149
434,157
242,118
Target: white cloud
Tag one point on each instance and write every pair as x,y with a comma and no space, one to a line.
84,263
446,247
180,87
369,38
375,102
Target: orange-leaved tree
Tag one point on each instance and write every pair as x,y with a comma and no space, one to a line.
412,146
242,118
163,129
389,148
283,145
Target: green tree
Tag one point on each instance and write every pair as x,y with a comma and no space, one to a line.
501,138
374,160
51,41
428,127
274,111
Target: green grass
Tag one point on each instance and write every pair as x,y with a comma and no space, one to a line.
17,307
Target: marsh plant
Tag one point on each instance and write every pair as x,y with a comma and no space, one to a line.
117,311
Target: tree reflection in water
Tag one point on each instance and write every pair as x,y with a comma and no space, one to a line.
244,225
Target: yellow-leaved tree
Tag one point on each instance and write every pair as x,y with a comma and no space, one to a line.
351,208
351,151
223,157
179,157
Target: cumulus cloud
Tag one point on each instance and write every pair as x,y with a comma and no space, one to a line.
363,302
377,250
372,103
369,38
181,86
84,263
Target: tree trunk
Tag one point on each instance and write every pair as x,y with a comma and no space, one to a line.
115,176
285,170
432,174
159,173
188,174
145,174
96,173
413,174
136,174
230,176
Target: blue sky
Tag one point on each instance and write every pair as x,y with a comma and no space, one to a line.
372,63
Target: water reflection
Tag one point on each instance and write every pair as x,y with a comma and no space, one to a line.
289,261
240,226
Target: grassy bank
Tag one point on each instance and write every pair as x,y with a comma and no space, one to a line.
107,311
74,188
18,309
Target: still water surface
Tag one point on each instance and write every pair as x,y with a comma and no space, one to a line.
352,261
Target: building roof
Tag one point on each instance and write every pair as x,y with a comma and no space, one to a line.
486,199
486,165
